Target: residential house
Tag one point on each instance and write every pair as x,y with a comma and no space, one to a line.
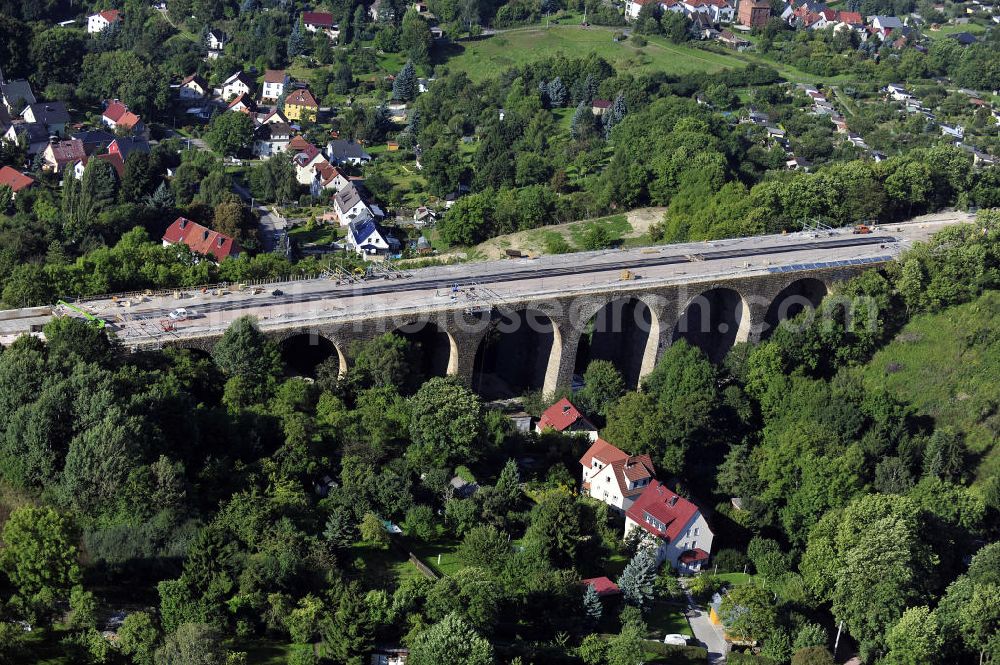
268,117
798,163
275,81
674,525
193,87
957,131
600,106
343,152
201,240
94,140
898,92
603,586
349,205
16,95
564,417
964,38
733,41
59,154
321,22
242,103
852,19
366,237
702,27
114,159
613,476
126,145
423,85
374,9
14,179
718,11
238,84
301,105
884,25
35,137
216,42
306,160
754,13
102,20
633,7
51,115
389,656
271,138
117,116
423,216
327,177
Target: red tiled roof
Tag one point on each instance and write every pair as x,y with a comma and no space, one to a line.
671,510
113,158
602,585
245,99
201,239
301,97
328,172
299,144
562,415
851,18
274,76
15,179
110,15
600,104
691,556
828,14
323,19
119,114
199,81
604,452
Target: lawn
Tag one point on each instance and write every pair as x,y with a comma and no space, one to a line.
972,28
321,234
666,618
946,365
264,652
485,58
449,563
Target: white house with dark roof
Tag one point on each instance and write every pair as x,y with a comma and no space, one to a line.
343,152
613,476
16,95
238,84
673,525
349,205
275,82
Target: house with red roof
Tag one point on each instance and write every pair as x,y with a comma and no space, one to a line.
102,20
201,240
14,179
564,417
112,158
117,116
603,586
613,476
673,525
321,22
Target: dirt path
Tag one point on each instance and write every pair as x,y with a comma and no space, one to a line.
640,219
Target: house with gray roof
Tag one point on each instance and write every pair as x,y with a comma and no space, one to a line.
16,95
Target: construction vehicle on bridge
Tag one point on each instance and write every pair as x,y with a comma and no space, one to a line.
91,319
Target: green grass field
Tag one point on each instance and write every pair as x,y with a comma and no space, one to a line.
973,28
665,619
947,365
485,58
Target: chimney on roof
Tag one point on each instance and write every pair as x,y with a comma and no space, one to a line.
672,501
184,222
204,234
565,408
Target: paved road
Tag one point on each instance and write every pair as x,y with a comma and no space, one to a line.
708,634
455,288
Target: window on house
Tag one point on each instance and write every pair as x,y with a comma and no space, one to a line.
696,531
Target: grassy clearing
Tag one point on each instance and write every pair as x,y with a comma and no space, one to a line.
666,618
484,58
947,365
450,562
321,234
972,28
265,652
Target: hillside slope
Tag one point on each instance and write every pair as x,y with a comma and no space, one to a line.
948,366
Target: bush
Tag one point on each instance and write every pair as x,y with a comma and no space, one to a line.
703,586
639,40
730,561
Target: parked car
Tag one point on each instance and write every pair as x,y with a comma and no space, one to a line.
676,639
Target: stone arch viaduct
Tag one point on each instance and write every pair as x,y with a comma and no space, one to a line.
540,342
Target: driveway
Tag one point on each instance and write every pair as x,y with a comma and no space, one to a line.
707,633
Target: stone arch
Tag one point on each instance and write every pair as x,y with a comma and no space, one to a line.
436,351
304,351
624,331
802,294
714,320
520,352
